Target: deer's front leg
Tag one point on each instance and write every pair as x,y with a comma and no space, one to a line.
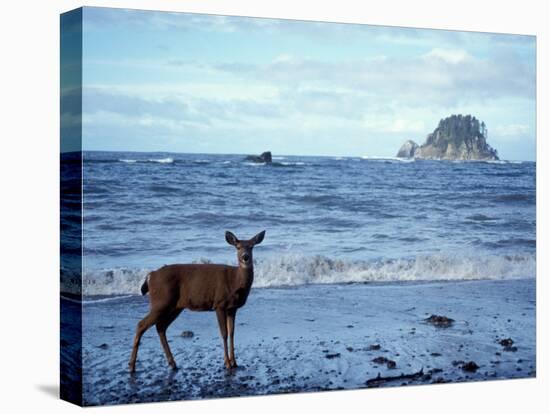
222,316
231,328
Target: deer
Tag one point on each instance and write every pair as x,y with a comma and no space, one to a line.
199,287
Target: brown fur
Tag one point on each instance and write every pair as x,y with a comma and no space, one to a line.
199,287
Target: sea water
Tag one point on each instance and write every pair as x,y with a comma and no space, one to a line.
327,219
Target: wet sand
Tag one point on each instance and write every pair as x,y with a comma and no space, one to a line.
314,338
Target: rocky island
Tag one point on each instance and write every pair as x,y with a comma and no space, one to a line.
457,137
264,157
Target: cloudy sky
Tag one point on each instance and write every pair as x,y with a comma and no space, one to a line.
156,81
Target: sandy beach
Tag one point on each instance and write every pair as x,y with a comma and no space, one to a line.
315,338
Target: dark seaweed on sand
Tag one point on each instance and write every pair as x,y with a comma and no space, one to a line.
440,321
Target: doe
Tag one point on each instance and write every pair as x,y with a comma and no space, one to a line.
199,287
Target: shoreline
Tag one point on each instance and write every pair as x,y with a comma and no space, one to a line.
92,298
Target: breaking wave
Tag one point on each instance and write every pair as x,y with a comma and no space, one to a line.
502,162
387,159
132,161
276,164
288,163
295,270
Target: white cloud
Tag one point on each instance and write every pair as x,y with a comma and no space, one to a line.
453,56
408,122
512,129
284,58
443,77
511,132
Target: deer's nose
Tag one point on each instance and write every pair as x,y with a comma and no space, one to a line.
246,257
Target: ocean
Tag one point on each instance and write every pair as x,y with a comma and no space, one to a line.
327,219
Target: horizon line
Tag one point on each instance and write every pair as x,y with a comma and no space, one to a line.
273,154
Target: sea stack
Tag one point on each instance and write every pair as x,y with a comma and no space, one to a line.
408,149
457,137
263,157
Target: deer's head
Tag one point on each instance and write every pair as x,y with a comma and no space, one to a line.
244,247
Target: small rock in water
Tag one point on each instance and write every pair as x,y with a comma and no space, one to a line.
187,334
374,347
439,321
103,346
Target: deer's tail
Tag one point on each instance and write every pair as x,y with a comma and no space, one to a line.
145,286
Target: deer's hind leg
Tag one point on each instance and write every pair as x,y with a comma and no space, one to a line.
142,326
162,325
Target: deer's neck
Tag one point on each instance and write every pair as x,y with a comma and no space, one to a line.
245,276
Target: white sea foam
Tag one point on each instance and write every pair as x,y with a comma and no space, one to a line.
121,281
499,162
503,162
103,300
283,163
159,160
295,270
162,160
390,159
288,163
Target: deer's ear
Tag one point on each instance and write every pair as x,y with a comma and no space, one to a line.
257,239
231,238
